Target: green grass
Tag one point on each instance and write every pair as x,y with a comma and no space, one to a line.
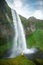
21,60
36,39
5,47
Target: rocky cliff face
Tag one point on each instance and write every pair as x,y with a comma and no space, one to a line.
6,23
31,24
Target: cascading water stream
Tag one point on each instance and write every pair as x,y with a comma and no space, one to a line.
19,38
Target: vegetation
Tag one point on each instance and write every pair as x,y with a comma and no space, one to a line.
35,39
4,48
38,24
21,60
24,21
6,28
40,61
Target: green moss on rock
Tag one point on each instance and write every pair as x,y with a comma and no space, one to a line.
21,60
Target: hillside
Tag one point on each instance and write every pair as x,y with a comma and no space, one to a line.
36,22
6,27
31,24
24,21
6,22
35,39
34,32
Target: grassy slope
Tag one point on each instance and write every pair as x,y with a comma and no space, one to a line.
21,60
36,39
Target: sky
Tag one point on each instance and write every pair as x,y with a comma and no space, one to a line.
28,8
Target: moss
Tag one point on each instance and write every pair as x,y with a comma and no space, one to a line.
5,47
40,61
21,60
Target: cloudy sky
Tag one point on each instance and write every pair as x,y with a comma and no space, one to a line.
28,8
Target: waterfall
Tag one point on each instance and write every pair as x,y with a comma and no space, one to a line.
19,39
19,44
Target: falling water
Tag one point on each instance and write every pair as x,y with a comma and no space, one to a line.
19,38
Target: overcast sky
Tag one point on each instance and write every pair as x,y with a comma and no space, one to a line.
28,8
